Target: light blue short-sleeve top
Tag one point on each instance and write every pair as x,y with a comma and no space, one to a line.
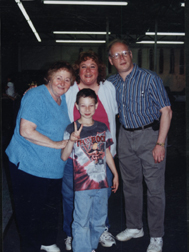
39,107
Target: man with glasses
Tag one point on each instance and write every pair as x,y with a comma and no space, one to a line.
145,116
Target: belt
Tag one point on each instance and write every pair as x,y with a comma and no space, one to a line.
140,128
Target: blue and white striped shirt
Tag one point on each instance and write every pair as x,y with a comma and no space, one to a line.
140,97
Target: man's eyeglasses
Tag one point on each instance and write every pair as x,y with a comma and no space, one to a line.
118,55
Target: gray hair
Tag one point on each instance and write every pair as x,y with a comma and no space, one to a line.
122,41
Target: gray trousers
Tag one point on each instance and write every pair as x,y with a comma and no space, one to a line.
136,161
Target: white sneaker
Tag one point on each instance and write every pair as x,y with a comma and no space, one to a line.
68,242
129,233
107,239
51,248
155,245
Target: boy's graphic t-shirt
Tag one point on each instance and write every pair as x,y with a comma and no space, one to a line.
89,156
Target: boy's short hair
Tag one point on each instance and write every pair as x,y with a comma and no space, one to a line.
86,92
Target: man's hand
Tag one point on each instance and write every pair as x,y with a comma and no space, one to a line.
165,121
158,153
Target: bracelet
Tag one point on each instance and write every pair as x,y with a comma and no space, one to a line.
161,144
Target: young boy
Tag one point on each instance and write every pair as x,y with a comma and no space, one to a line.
89,143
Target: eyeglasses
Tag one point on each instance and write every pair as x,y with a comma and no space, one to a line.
118,55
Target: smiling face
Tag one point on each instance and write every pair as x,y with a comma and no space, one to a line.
86,107
59,83
123,64
88,73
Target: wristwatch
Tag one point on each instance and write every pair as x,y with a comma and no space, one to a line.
161,144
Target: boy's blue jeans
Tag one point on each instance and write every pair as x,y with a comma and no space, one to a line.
90,212
68,195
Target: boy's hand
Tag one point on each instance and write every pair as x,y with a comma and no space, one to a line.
115,184
76,133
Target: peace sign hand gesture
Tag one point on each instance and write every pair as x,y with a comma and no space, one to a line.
76,133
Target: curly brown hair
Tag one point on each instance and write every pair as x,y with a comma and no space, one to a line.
83,56
60,65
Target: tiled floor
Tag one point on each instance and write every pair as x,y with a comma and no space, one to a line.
175,239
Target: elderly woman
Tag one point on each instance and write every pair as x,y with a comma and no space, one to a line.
36,168
90,73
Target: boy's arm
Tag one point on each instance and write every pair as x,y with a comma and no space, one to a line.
111,164
65,153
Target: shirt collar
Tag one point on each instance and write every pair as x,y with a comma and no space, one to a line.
130,75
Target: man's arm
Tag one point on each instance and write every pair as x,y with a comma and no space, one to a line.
165,121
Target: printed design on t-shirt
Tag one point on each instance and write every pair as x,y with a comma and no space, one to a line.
93,147
83,180
96,154
90,162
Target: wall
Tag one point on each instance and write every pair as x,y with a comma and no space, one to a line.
36,58
175,81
